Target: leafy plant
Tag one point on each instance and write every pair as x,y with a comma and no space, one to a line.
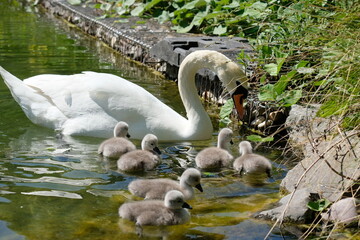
319,205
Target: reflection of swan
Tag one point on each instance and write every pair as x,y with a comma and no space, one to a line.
91,103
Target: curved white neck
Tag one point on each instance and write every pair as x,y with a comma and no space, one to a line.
228,73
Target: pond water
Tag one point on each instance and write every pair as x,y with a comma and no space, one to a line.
55,187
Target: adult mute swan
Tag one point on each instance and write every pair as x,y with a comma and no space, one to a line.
90,103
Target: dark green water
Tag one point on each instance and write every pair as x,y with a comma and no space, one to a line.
58,188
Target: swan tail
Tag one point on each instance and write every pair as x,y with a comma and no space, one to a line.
15,85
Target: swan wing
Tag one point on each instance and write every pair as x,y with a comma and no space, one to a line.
94,102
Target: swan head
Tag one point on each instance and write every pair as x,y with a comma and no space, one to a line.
245,147
192,177
234,79
175,200
121,130
225,138
150,143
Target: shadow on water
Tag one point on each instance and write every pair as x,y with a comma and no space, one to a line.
57,187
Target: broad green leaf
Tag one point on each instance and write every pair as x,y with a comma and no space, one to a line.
272,69
224,122
219,30
183,29
164,17
281,84
151,4
233,4
267,93
289,98
227,108
128,2
138,11
263,79
301,64
319,205
257,138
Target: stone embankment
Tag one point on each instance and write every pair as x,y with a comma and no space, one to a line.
330,170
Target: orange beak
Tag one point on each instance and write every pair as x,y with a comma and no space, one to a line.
239,105
238,97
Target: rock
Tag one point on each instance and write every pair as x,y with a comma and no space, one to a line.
343,211
331,164
297,210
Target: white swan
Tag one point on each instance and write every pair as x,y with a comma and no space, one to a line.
89,103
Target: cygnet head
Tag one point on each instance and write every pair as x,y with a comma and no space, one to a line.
150,143
192,177
174,199
121,130
224,138
245,147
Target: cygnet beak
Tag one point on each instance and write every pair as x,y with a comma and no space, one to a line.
157,150
128,135
186,205
199,187
231,142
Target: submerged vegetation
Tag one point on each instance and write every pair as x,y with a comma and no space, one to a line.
307,51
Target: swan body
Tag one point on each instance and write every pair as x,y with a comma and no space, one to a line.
88,103
141,160
169,211
157,188
250,162
216,157
118,145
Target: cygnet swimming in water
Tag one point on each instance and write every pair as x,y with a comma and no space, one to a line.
169,211
157,188
141,160
250,162
216,157
119,144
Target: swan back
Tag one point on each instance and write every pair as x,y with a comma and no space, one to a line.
216,157
157,188
250,162
141,160
118,145
169,211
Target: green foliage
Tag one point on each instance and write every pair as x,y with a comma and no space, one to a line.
257,138
225,112
306,50
319,205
